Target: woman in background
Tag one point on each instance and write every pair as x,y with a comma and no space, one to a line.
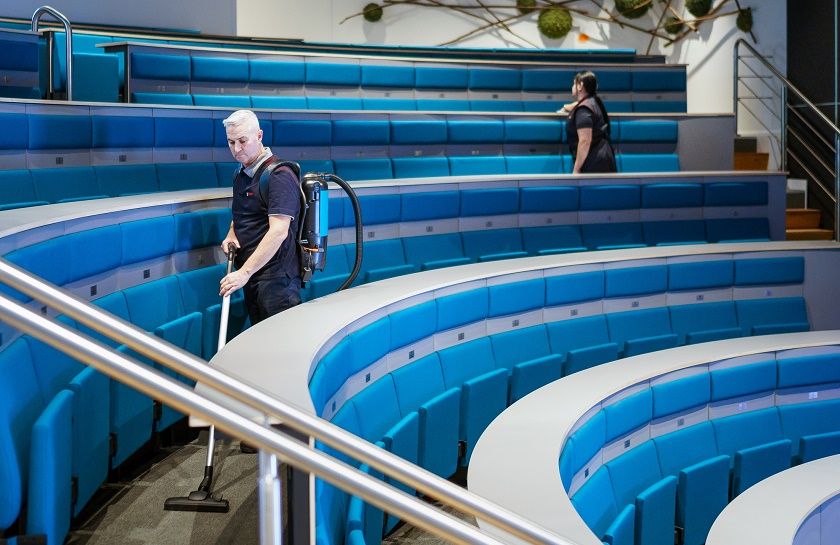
588,127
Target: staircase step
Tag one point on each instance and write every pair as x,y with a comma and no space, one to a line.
809,234
751,160
802,218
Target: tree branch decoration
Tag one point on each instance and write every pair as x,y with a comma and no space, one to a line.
556,18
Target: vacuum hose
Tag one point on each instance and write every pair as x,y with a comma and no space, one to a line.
357,214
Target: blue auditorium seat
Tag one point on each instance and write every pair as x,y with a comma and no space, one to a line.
636,281
546,106
733,383
595,503
484,388
706,274
59,132
16,133
382,259
219,69
769,271
574,288
420,167
668,233
181,176
435,251
584,341
659,80
334,274
442,105
147,239
333,103
495,79
170,99
475,132
496,105
538,164
648,163
222,101
364,521
418,131
610,197
557,239
364,169
427,77
549,199
648,131
224,173
431,205
550,80
628,415
516,297
672,195
527,132
489,202
279,102
368,345
107,256
376,210
814,372
183,132
66,184
691,455
330,73
812,429
769,316
738,230
160,66
641,331
735,194
704,322
277,72
527,355
493,244
402,440
17,190
201,228
658,106
609,236
461,309
476,165
675,398
123,131
374,75
303,132
329,375
347,132
120,180
389,104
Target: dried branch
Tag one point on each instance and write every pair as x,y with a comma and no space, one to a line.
658,26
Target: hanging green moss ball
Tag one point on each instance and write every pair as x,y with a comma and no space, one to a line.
555,23
698,8
526,6
673,25
372,12
744,21
632,9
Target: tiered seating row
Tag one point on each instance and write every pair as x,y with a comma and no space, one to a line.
426,380
209,77
44,390
689,445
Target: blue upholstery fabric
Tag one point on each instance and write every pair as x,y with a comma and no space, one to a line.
441,78
783,270
642,331
495,79
270,71
537,164
48,132
700,275
585,341
180,176
547,79
387,76
430,205
605,236
768,316
665,233
588,440
361,133
17,189
677,396
735,194
649,131
527,355
172,99
160,66
516,297
705,322
609,197
659,80
176,132
756,463
489,202
628,414
107,256
595,502
744,380
279,102
461,308
327,73
493,244
804,423
810,370
364,169
573,288
737,230
122,131
741,431
628,281
648,163
15,134
475,132
65,184
523,131
369,344
672,195
418,131
219,69
119,180
147,239
46,259
302,132
420,167
222,101
201,228
376,408
552,240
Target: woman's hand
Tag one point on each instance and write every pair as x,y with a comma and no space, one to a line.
567,108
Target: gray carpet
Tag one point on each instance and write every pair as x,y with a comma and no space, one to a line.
134,513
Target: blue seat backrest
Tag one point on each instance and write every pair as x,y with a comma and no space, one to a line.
47,132
667,195
430,205
271,71
65,184
710,317
743,380
302,133
520,345
537,164
665,233
610,197
15,135
199,287
20,405
107,256
428,77
433,248
496,105
802,419
466,361
779,270
549,199
675,396
587,440
740,431
329,73
577,333
418,131
462,308
361,133
188,132
736,194
547,79
552,239
418,382
442,105
683,448
420,167
637,324
17,188
630,281
374,75
147,239
154,303
516,297
369,344
601,235
648,131
574,288
112,131
364,169
479,244
595,502
507,79
201,228
54,369
279,102
118,180
634,471
401,104
614,80
737,229
701,275
160,66
519,131
648,163
628,414
330,374
476,165
47,259
219,69
171,99
814,370
179,176
659,80
781,311
376,209
475,132
222,101
413,324
377,408
489,202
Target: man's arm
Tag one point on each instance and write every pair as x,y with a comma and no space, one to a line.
278,230
230,239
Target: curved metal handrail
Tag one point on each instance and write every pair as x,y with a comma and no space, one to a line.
36,18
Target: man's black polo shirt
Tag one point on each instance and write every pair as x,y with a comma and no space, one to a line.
250,220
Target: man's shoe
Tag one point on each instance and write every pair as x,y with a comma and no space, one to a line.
245,448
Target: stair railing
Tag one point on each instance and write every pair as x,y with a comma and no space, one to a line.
36,19
822,173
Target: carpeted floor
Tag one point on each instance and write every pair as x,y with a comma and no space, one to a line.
131,512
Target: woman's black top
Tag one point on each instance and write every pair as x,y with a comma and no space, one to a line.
588,115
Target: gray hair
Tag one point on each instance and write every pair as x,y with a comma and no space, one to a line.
242,118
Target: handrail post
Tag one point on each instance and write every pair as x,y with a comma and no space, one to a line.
270,498
837,187
735,85
783,134
36,18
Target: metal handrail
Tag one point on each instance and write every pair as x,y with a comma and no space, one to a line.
197,369
36,18
181,397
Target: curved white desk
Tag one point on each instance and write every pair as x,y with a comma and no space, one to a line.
773,511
